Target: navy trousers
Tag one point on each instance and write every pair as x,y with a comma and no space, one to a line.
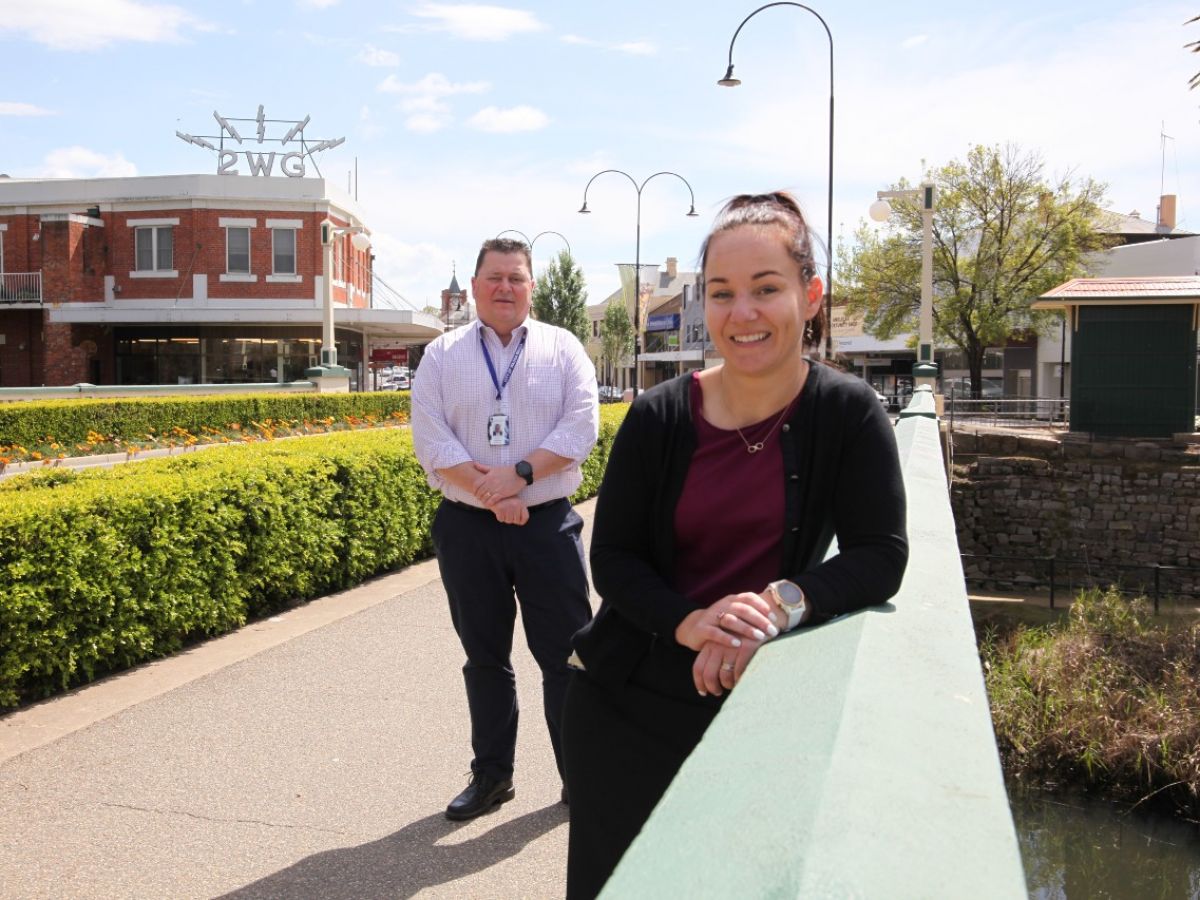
487,567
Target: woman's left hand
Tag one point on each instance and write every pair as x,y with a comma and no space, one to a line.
718,667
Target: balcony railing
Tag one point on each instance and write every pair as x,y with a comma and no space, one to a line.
20,287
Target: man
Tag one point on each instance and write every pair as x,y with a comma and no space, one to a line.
504,409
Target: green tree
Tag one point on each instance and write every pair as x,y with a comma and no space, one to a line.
560,297
616,336
1003,234
1194,46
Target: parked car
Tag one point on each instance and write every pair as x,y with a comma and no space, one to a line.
402,382
990,389
609,393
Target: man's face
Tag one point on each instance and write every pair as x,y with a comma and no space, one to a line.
503,290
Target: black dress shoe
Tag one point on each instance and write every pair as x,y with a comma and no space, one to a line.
482,794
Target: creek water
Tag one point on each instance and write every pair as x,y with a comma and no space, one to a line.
1082,847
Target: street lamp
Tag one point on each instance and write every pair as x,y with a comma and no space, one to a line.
924,371
329,364
535,237
730,81
637,252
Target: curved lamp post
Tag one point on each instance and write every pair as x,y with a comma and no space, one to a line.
730,81
329,232
525,237
924,371
637,251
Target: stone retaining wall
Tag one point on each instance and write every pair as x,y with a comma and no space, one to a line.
1096,506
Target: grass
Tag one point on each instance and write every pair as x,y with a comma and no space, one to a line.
1105,698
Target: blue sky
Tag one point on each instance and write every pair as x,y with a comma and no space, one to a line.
467,119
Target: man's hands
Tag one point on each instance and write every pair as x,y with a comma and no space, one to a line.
726,635
496,483
511,511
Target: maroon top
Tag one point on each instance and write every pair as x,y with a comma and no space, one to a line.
730,519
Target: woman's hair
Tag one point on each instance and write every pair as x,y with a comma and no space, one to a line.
781,210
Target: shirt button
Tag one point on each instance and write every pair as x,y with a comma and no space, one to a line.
787,427
795,528
793,478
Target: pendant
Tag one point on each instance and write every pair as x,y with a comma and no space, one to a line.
754,448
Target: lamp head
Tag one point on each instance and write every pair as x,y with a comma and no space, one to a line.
729,80
583,209
692,212
361,242
880,210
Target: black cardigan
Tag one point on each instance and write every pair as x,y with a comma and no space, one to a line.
841,476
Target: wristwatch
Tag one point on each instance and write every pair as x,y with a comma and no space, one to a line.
525,470
791,600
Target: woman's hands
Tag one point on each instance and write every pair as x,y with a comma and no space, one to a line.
726,635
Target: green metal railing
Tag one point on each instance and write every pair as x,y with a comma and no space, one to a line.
856,759
76,391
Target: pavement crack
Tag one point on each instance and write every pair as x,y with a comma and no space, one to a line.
191,815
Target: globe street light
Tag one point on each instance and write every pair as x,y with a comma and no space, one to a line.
924,371
637,251
329,232
730,81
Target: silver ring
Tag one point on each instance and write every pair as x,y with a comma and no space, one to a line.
727,667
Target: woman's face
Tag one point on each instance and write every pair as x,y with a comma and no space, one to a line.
755,299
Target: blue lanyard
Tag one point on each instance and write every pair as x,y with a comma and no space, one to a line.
500,385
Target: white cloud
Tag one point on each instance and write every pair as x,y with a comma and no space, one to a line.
80,162
93,24
22,109
319,4
435,84
477,22
508,121
371,55
915,41
634,48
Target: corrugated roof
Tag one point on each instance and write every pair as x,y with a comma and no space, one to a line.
1184,287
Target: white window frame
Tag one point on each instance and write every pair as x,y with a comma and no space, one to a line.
154,225
247,225
276,274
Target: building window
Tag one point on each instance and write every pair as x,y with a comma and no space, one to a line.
237,251
284,241
595,328
154,248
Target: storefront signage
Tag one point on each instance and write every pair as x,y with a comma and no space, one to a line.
266,131
391,355
664,322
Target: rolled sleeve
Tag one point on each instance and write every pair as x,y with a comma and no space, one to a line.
575,433
434,442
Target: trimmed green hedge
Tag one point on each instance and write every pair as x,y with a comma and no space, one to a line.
105,568
70,421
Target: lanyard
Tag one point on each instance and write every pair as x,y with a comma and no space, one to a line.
501,385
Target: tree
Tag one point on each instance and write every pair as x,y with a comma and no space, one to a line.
616,335
560,297
1002,235
1194,46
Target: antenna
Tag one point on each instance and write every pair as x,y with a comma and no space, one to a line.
1163,137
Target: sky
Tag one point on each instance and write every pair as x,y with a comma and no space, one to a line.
464,120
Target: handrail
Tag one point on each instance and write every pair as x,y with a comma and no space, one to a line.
854,759
94,391
20,287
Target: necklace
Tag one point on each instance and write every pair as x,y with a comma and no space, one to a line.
758,445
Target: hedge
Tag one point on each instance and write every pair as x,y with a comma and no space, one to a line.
101,569
69,422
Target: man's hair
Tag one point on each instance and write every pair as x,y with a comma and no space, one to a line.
504,245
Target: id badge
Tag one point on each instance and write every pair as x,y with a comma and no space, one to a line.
497,430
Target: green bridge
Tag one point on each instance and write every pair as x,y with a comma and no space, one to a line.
854,760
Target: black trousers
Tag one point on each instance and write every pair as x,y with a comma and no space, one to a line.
483,563
623,748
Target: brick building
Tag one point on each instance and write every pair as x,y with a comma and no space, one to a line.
182,279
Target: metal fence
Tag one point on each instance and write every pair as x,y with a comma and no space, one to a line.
1058,576
20,287
1046,412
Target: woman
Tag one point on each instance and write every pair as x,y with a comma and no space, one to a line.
721,495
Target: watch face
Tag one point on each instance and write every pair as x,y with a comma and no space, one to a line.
789,595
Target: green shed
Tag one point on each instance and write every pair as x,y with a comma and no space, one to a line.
1133,353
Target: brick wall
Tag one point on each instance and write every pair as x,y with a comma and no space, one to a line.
1105,504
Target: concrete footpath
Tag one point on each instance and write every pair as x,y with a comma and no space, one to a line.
308,755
